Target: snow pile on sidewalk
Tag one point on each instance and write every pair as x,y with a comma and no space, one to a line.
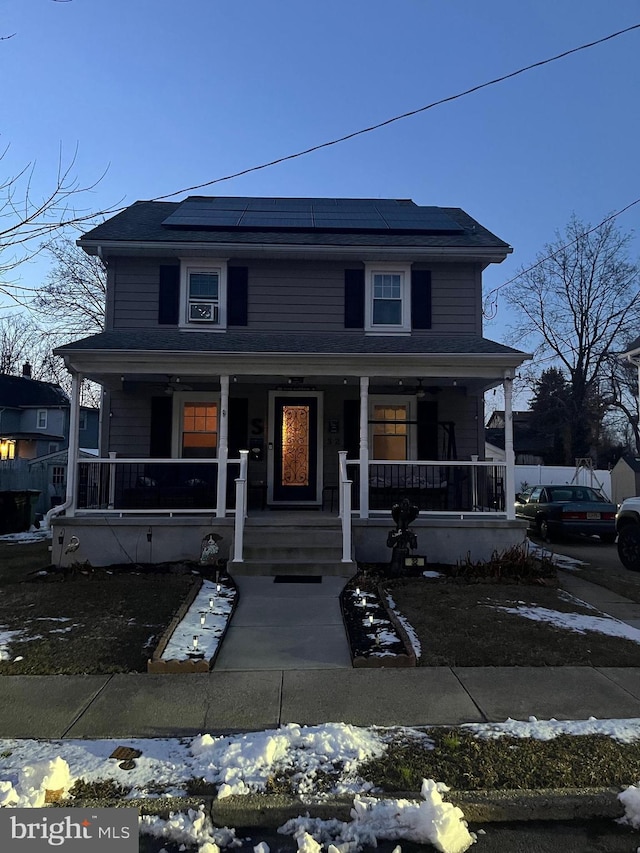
243,763
432,821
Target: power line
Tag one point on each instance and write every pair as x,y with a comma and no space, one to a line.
491,309
409,114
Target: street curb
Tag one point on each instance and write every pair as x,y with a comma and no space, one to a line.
271,810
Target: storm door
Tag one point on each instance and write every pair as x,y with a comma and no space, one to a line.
295,449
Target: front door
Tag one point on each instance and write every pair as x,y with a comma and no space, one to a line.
295,449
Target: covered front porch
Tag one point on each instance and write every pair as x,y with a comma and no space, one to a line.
196,443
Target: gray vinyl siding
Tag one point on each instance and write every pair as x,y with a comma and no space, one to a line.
137,283
455,307
295,296
129,423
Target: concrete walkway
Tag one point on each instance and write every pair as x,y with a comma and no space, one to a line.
240,697
284,626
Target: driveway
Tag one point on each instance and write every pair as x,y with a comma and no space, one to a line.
603,563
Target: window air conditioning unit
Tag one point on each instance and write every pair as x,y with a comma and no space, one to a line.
203,312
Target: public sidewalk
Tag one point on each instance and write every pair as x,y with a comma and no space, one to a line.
244,699
141,705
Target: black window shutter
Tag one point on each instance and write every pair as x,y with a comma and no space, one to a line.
160,430
420,299
169,296
351,431
238,426
427,429
354,299
237,296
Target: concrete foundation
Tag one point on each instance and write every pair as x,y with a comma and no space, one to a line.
109,540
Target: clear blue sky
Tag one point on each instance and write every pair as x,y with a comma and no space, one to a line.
168,94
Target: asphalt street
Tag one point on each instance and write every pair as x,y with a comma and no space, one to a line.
596,836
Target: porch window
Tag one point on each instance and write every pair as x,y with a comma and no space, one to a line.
199,430
42,418
390,429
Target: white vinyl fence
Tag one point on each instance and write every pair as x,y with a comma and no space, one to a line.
559,475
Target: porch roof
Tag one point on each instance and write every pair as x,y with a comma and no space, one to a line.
293,343
151,354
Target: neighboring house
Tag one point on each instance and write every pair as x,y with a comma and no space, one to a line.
34,425
338,341
530,446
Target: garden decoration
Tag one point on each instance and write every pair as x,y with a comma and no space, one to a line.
402,540
210,549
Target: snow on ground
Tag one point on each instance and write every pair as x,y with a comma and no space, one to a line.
7,637
240,764
199,632
564,562
578,622
33,535
408,628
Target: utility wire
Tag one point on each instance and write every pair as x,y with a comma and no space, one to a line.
491,304
409,114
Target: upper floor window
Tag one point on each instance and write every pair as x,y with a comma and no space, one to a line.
58,475
41,419
204,289
388,298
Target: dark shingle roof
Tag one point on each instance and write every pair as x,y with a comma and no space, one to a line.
145,221
18,391
332,343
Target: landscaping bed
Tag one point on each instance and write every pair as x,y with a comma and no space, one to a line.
507,611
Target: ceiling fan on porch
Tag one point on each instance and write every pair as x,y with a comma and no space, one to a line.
420,391
174,384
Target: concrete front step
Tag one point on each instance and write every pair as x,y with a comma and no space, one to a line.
296,548
332,568
292,553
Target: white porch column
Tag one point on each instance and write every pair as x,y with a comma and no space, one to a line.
364,447
74,442
223,448
510,458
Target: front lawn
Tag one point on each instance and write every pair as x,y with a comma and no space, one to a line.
462,624
101,622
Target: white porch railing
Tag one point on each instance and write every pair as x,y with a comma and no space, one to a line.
241,509
344,504
152,486
456,487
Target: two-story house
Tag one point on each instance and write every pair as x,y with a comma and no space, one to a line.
265,355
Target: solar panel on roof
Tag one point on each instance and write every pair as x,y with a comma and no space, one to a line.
305,213
276,220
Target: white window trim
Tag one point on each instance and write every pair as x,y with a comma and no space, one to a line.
412,413
40,412
206,265
405,271
179,399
